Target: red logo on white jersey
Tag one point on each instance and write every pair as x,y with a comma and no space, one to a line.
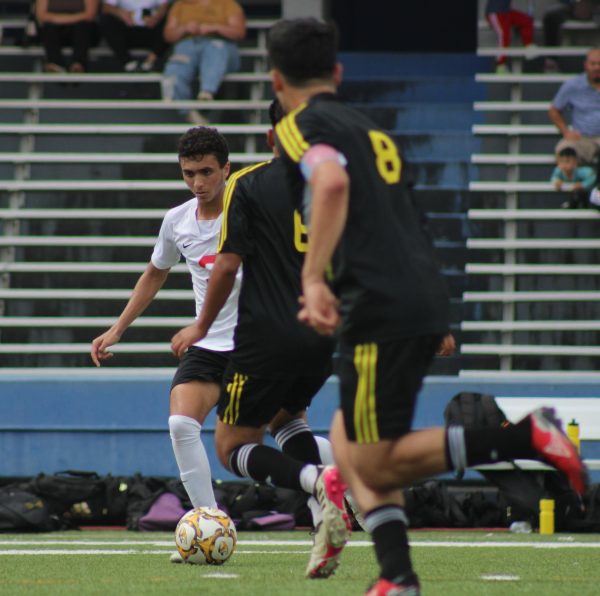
207,261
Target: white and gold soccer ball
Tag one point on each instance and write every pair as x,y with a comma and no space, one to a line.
205,535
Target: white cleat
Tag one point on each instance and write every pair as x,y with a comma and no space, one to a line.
333,532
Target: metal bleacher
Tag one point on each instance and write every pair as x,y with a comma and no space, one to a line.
88,168
534,299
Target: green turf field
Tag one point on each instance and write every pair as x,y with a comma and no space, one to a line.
449,563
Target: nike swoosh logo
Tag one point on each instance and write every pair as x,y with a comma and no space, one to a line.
188,244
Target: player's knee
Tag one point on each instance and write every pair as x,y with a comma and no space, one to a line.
184,429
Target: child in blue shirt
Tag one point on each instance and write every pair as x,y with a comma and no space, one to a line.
582,178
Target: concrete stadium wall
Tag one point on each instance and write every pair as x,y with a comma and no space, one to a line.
117,423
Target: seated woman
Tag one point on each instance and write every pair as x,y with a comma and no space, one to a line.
127,24
62,22
204,34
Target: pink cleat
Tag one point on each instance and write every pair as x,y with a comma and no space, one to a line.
556,449
384,587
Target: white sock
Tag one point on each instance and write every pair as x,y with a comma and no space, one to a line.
308,477
325,451
192,460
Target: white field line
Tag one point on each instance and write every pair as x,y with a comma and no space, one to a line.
267,543
118,551
501,578
169,543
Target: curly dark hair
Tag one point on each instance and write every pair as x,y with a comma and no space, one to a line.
202,140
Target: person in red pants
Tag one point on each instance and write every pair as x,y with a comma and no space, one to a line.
502,18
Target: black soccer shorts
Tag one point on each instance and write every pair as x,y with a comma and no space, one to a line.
379,384
199,364
253,401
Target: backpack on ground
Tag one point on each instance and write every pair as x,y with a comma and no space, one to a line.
23,511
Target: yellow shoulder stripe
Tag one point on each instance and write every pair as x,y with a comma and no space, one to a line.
229,193
294,144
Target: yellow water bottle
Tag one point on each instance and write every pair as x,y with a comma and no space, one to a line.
546,516
573,434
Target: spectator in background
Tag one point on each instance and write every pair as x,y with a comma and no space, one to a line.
204,33
502,18
578,100
556,15
62,22
581,179
127,24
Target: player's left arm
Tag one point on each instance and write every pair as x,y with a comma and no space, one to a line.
329,183
220,286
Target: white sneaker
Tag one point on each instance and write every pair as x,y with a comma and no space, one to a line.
176,558
334,531
147,65
532,51
131,66
205,96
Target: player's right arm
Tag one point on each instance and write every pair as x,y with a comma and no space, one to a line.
142,295
330,188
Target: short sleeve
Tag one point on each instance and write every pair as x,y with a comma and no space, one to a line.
165,254
236,233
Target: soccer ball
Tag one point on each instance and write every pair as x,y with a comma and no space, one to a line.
205,535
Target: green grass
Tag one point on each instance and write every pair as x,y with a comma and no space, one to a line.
571,567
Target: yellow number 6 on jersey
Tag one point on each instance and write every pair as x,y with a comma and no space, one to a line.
300,233
387,159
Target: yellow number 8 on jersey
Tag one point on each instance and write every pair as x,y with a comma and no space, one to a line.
387,159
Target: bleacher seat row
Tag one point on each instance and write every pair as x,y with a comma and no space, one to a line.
88,168
533,297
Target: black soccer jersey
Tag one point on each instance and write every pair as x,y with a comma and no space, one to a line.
384,268
262,225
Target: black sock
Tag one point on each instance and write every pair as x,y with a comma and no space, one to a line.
296,440
474,446
387,526
263,464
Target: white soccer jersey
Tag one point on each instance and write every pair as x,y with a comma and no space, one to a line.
182,234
